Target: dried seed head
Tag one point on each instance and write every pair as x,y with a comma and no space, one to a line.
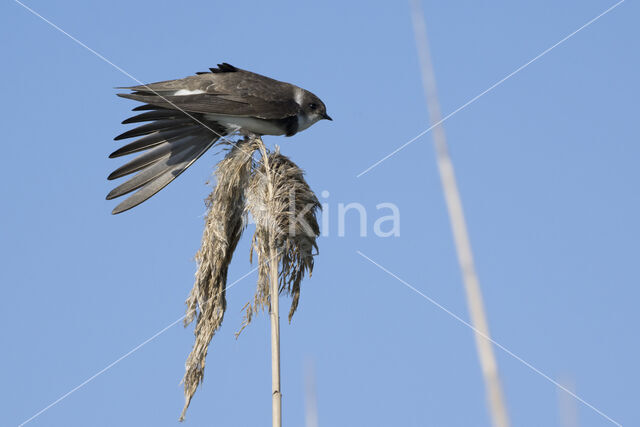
225,221
284,208
289,217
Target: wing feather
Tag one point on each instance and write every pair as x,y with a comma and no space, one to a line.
251,106
158,176
154,126
154,139
170,143
226,90
151,156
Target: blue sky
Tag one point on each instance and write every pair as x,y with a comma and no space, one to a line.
546,165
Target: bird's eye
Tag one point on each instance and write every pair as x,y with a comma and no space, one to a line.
313,105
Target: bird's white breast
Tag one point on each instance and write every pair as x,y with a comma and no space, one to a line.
250,124
305,121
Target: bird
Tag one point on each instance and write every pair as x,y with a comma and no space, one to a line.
183,118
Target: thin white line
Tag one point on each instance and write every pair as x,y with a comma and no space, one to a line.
124,356
498,83
115,66
497,344
222,137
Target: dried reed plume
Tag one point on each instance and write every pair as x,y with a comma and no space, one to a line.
224,224
289,219
284,208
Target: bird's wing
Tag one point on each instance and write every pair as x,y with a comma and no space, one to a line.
169,143
225,90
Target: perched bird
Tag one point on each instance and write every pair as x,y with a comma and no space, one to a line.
188,116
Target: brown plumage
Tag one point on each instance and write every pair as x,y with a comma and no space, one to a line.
186,117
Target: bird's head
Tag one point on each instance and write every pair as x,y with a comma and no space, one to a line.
313,107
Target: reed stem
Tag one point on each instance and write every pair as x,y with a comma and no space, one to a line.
274,312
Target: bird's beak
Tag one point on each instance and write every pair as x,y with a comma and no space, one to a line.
326,116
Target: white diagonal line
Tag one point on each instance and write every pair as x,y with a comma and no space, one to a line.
191,116
497,344
127,354
118,68
489,89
